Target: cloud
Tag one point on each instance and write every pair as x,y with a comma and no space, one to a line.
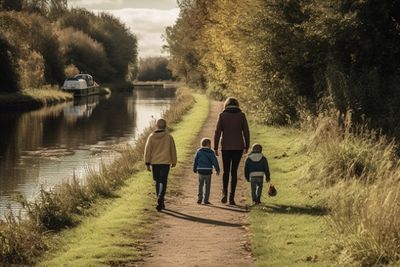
120,4
147,24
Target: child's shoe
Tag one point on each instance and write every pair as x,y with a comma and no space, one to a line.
199,201
207,202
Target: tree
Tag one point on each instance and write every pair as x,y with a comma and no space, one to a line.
8,77
154,69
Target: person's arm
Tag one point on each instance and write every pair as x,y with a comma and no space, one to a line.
246,170
173,152
147,152
195,162
216,164
217,134
266,170
246,134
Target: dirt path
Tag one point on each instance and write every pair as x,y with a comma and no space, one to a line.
189,234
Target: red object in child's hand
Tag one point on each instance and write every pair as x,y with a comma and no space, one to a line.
272,190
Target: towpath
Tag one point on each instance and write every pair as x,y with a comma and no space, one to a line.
189,234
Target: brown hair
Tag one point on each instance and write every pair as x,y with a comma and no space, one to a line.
231,101
205,142
256,148
161,124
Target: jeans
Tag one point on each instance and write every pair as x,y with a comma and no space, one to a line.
230,160
160,176
256,188
204,187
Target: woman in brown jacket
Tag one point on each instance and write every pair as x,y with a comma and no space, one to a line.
232,125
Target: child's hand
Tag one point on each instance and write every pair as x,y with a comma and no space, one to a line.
148,168
218,173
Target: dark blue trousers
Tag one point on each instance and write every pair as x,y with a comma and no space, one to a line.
160,176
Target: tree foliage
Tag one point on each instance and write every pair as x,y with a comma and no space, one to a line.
42,38
154,69
285,57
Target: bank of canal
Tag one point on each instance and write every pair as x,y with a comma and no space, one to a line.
46,146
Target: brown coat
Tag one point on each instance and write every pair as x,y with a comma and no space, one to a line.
233,126
160,149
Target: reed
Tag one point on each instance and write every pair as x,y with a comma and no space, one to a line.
357,171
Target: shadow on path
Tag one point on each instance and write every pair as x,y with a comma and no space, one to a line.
183,216
291,209
230,208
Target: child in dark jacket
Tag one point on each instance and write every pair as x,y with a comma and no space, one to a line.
204,162
255,168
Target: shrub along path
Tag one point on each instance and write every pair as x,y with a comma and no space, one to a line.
189,234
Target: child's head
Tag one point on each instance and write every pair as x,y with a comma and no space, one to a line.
205,142
256,148
161,124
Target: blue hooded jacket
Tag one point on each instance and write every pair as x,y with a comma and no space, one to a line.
204,161
256,165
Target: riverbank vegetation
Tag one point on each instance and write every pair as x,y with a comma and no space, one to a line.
24,238
338,196
329,68
33,98
41,42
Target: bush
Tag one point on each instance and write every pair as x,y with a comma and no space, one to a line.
357,171
20,242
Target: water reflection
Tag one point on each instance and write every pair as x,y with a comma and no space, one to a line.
45,147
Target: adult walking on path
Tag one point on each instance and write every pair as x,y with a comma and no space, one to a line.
232,125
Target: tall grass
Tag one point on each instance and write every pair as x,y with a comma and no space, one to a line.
61,207
359,171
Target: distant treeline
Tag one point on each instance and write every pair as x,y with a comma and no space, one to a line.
154,69
43,41
287,58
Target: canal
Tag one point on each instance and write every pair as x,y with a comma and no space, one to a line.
48,146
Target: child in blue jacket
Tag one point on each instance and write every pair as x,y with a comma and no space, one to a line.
256,167
204,162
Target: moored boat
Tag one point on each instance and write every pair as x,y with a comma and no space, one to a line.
81,85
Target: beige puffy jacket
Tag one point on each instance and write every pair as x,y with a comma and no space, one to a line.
160,149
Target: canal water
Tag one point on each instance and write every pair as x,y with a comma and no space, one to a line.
47,146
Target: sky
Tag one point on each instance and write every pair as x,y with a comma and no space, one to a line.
146,19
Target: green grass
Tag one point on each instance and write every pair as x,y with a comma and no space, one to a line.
113,235
290,229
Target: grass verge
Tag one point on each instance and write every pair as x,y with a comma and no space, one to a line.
113,236
339,195
33,98
290,229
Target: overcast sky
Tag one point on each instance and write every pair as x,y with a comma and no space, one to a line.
147,19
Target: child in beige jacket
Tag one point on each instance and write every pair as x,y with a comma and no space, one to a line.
159,156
